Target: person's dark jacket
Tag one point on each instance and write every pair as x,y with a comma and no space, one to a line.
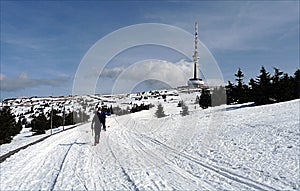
102,117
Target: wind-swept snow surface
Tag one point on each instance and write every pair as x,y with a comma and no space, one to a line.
237,148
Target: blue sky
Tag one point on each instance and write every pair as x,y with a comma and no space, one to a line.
43,42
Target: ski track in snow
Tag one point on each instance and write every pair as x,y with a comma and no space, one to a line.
132,157
150,161
187,175
220,171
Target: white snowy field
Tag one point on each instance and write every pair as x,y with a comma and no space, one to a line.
221,148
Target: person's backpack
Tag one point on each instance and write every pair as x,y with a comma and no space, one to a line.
102,116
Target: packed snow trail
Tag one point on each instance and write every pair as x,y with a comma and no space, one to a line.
68,161
63,162
14,148
157,160
167,154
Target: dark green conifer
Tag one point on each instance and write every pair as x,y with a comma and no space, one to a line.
8,125
160,111
205,98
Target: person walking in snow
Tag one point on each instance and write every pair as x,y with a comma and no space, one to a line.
96,126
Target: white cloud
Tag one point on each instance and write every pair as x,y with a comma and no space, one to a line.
174,74
112,72
143,71
23,82
158,66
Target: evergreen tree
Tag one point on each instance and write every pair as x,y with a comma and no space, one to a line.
251,92
69,119
237,93
230,93
57,119
40,124
276,90
239,79
8,125
180,103
263,89
205,98
160,111
185,109
286,90
296,88
240,89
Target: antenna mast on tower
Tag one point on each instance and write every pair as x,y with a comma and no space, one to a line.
196,55
195,82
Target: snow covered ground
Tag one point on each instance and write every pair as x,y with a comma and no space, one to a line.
222,148
25,137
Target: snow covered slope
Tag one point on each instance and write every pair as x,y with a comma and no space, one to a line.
236,148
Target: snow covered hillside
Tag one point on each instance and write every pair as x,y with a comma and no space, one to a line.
222,148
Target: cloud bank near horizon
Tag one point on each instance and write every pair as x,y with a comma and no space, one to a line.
23,81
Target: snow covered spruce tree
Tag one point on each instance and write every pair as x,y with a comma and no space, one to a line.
185,109
160,111
8,125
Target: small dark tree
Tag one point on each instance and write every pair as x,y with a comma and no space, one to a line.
8,125
160,111
179,104
239,86
205,98
230,93
69,119
57,120
252,88
185,109
40,124
241,90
